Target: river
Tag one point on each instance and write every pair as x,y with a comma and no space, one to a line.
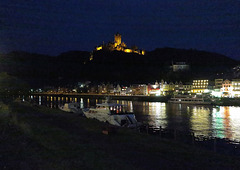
208,121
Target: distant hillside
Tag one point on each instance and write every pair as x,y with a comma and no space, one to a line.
73,66
194,57
156,64
42,70
203,64
33,68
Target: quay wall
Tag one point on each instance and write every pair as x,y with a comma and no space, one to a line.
112,97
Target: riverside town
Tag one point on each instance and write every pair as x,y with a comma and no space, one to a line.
217,88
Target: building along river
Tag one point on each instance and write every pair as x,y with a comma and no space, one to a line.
202,120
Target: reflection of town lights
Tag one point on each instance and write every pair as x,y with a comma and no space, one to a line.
131,106
235,113
40,100
157,113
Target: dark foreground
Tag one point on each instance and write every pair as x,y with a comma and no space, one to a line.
36,137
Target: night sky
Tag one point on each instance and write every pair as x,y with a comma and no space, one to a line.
56,26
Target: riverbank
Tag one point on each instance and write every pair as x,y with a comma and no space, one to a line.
37,137
216,101
113,97
227,102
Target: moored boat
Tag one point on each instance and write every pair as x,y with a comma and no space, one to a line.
113,114
71,107
190,100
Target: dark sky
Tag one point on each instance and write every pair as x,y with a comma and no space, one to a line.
56,26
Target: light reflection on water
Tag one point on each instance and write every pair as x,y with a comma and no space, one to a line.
209,121
226,121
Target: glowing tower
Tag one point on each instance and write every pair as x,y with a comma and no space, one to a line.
117,39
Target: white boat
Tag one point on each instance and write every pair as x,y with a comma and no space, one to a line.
113,114
71,107
190,100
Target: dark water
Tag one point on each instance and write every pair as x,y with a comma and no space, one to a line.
209,121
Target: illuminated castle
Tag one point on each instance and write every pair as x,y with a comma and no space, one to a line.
119,46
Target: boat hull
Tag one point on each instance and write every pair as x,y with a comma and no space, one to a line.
124,120
71,107
194,101
185,102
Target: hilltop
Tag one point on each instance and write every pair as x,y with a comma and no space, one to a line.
116,66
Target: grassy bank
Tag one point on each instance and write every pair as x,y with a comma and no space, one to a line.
36,137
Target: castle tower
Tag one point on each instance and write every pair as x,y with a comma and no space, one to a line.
117,39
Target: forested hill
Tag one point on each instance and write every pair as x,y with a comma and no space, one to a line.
194,57
73,66
156,65
42,70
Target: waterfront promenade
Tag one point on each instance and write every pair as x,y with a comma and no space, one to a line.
215,101
113,97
